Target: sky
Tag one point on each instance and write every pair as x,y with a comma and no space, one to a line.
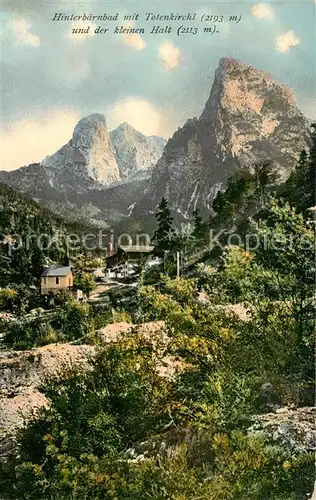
52,76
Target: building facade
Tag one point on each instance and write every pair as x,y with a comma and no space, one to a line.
127,260
56,278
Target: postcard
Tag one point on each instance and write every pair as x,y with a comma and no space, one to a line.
157,249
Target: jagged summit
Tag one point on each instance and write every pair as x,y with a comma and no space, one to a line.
92,124
126,126
135,152
125,129
248,120
106,157
85,172
89,152
244,88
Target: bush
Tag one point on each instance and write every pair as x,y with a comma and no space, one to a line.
76,320
25,334
77,448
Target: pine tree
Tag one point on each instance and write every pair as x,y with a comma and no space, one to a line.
164,231
312,169
198,225
299,188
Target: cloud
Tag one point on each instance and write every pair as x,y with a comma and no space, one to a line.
29,141
133,40
22,5
285,41
21,29
308,106
262,11
80,31
77,70
169,54
138,112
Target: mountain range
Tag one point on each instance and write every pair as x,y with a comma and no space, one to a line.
85,178
248,120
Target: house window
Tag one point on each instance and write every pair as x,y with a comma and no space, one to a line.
57,281
44,281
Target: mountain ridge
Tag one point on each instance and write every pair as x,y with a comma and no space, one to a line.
248,120
84,169
89,151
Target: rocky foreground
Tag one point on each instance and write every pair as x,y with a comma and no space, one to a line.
23,372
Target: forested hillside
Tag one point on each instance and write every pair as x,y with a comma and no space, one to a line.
27,238
31,239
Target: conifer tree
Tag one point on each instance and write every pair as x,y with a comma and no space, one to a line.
300,187
164,231
198,225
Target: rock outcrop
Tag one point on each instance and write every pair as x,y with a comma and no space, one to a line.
294,428
23,372
135,153
248,120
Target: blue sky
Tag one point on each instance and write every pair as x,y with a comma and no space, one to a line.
52,77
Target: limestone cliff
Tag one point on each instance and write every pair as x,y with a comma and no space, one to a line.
89,152
248,120
135,153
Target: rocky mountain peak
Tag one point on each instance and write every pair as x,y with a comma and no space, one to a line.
136,153
125,131
89,127
89,152
248,120
126,127
91,177
242,88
